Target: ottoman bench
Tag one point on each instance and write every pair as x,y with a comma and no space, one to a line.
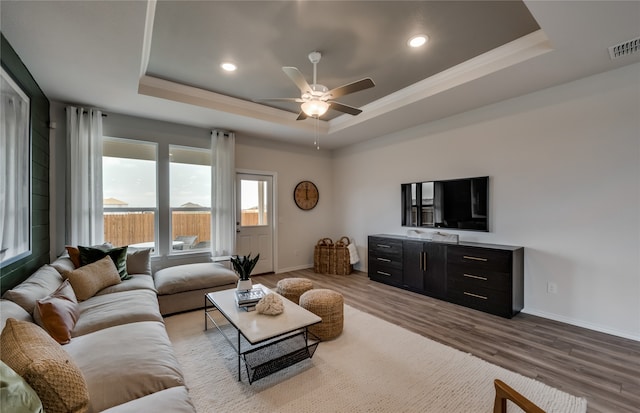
328,305
293,288
182,288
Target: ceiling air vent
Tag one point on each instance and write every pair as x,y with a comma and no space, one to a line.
625,48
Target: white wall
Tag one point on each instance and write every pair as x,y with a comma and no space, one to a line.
298,231
564,167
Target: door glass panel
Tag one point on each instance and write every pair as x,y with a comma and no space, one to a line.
253,203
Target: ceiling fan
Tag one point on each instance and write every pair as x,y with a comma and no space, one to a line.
316,99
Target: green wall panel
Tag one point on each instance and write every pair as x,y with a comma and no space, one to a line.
18,271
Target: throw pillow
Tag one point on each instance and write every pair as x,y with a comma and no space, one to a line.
89,255
58,313
74,255
15,394
91,278
139,262
48,369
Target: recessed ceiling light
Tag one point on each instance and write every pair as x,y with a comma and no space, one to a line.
419,40
229,67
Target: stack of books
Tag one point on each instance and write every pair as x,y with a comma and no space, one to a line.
247,300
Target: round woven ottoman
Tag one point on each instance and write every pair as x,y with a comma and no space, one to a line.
293,288
328,305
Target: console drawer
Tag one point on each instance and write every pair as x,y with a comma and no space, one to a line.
490,301
390,261
465,276
385,247
480,258
385,273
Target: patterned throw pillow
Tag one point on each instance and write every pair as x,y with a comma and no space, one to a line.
58,313
48,369
89,255
91,278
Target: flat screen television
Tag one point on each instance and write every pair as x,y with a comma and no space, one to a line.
455,203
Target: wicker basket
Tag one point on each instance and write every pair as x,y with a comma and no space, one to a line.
322,256
341,262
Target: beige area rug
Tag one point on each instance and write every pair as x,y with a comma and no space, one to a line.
374,366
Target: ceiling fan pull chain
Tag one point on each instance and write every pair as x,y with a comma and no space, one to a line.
317,140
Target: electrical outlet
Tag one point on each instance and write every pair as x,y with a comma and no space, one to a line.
552,288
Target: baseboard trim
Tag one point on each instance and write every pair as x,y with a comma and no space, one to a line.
296,268
583,324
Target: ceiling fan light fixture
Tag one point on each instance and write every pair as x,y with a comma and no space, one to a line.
315,108
228,67
418,40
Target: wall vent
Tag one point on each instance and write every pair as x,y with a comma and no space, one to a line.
624,48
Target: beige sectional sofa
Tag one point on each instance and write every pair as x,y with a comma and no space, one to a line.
119,344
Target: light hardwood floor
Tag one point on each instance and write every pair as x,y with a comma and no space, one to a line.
604,369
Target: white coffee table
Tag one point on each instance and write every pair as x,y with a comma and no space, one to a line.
266,343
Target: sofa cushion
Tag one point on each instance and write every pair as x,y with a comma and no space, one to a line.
136,282
48,369
39,285
89,255
108,310
189,277
89,279
174,400
139,262
9,309
107,358
58,312
15,393
63,264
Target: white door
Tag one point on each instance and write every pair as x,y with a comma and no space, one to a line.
254,225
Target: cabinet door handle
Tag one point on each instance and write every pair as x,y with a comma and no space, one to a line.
476,295
477,277
383,246
383,259
384,273
424,261
469,257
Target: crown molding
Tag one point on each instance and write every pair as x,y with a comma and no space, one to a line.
512,53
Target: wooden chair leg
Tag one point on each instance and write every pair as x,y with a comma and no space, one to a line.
504,392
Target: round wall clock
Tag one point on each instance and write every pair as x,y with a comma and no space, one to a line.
306,195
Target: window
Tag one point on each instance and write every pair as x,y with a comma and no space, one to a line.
129,176
190,198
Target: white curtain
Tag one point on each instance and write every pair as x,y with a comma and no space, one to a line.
15,188
84,176
223,194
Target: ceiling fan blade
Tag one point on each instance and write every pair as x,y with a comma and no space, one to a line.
279,100
356,86
345,108
295,75
302,116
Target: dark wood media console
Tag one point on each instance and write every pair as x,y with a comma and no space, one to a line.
485,277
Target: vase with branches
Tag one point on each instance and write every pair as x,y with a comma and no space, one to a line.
243,265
